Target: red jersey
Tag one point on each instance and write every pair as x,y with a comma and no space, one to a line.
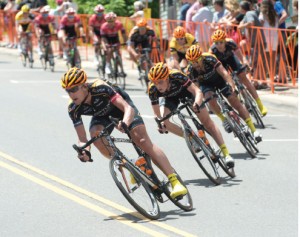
66,22
95,22
111,34
39,20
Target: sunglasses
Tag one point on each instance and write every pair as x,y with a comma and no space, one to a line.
180,38
196,61
110,21
142,27
219,42
72,90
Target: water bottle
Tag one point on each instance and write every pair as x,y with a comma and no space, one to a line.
142,164
201,134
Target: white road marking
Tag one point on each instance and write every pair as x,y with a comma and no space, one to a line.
274,140
34,82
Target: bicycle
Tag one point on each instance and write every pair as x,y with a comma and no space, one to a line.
247,99
45,44
73,56
145,64
25,51
117,75
207,158
237,124
141,190
100,56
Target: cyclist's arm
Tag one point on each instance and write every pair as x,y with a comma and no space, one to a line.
81,133
196,93
156,110
121,104
239,54
222,71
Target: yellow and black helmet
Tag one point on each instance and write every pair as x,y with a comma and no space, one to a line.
193,53
74,77
159,71
218,35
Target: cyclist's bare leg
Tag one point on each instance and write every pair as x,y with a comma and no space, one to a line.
101,144
140,138
235,103
210,126
171,127
213,104
242,76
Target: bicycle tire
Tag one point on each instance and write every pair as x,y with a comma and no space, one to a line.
186,202
252,107
23,59
229,171
205,161
43,62
77,59
121,173
241,133
119,73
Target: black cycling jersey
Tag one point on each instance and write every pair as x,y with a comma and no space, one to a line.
230,47
144,40
102,97
178,84
208,75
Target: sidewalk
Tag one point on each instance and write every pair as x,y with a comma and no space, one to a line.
284,99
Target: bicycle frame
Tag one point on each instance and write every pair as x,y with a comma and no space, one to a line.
72,51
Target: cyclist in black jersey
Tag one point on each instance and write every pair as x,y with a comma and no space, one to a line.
227,51
171,86
210,74
100,101
140,35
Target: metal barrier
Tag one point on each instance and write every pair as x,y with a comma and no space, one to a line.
266,61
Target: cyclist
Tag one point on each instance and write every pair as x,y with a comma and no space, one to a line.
140,35
69,24
95,23
100,101
227,51
210,74
109,33
42,27
171,86
180,42
24,28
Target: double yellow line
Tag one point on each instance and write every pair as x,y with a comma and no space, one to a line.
83,202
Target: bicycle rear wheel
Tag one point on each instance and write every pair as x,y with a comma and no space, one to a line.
204,157
43,62
253,109
134,189
240,130
184,203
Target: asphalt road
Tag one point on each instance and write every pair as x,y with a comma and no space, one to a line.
46,191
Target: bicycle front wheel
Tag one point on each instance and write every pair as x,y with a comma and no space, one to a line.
203,157
23,59
119,73
134,189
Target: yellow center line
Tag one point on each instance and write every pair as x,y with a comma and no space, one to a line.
81,201
91,195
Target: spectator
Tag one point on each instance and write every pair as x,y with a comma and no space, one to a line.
269,21
281,55
295,12
10,9
292,51
69,3
36,6
186,4
138,10
190,27
202,31
253,35
220,11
